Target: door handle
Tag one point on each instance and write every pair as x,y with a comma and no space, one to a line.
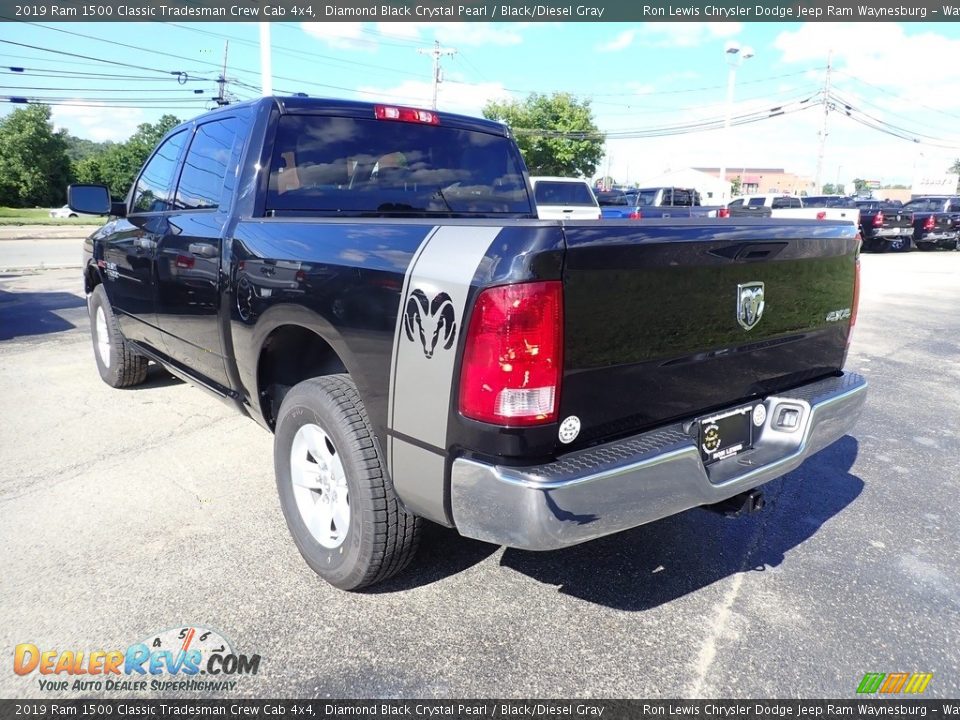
144,243
205,250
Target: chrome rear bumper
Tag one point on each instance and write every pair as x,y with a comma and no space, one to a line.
620,485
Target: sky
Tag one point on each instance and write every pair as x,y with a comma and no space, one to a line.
642,79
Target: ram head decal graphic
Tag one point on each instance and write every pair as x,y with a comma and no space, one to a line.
432,322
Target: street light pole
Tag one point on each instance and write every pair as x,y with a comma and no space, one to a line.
735,56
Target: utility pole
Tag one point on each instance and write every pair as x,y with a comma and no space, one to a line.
266,70
826,114
437,52
221,98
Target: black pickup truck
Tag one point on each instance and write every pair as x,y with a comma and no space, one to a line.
884,226
936,221
371,284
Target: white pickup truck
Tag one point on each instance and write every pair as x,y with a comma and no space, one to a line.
787,206
563,198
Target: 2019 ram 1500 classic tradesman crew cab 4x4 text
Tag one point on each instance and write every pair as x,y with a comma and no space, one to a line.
372,284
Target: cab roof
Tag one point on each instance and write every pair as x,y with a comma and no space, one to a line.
297,105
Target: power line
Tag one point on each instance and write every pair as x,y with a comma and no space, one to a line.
300,54
176,73
94,89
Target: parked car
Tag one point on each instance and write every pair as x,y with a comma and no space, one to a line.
562,198
372,284
66,212
936,221
884,227
660,202
829,201
779,205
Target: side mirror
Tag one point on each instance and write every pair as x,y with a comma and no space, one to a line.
90,199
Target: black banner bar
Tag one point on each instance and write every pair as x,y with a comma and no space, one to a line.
478,10
472,709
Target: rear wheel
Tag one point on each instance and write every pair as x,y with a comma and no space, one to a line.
335,495
118,362
900,244
927,246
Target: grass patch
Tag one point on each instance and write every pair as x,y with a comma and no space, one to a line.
41,216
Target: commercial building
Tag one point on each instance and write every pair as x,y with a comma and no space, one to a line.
765,180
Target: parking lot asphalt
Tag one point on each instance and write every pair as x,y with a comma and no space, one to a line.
127,512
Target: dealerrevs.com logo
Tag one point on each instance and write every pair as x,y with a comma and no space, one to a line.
184,658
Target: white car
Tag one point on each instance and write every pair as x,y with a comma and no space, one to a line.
66,212
563,198
779,205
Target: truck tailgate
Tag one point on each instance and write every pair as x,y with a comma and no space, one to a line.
659,324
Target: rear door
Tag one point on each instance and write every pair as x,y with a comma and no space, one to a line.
188,257
667,320
130,251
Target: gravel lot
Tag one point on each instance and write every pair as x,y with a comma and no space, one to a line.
123,513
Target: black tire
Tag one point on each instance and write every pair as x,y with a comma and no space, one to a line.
381,537
901,244
119,364
927,246
72,215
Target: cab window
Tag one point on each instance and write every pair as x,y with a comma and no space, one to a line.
155,184
205,167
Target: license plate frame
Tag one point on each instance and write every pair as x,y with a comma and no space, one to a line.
725,434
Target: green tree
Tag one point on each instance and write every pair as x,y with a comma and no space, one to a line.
829,189
841,189
860,186
34,167
955,168
79,148
116,165
736,185
556,133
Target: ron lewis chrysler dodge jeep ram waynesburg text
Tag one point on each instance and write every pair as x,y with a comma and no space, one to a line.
372,284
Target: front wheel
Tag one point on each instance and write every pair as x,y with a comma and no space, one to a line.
118,362
334,491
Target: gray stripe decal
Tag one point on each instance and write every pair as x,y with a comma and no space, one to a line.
429,324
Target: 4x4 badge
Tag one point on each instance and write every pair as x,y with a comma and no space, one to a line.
749,304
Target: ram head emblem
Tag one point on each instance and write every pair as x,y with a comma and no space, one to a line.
433,322
750,304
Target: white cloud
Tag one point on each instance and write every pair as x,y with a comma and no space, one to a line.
906,69
342,35
687,34
640,88
904,79
369,36
97,122
456,33
456,97
620,42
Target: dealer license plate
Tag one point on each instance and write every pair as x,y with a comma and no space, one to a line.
726,434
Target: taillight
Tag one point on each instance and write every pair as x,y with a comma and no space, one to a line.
405,114
635,215
822,215
723,213
929,223
513,356
878,219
